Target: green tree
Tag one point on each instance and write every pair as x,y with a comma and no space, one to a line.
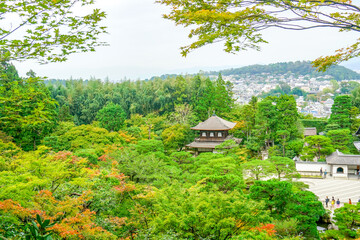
307,210
283,137
317,146
222,96
203,98
287,115
257,169
48,30
298,91
283,167
266,121
354,119
286,201
340,139
340,111
294,148
348,87
183,114
27,112
176,136
355,97
148,146
347,219
334,85
239,23
194,213
276,194
111,117
74,138
40,232
180,90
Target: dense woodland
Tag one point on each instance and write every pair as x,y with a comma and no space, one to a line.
101,160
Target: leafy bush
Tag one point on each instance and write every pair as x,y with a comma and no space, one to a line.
90,154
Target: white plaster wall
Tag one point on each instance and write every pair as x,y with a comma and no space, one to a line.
340,174
312,167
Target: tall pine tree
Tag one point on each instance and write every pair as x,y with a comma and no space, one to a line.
223,96
340,111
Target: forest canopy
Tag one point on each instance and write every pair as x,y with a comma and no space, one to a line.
100,160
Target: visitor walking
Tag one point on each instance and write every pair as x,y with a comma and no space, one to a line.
349,200
338,203
325,172
321,172
332,203
327,200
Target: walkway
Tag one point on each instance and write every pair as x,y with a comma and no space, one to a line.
342,189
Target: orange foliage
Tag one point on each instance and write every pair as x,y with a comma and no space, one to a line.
268,228
66,156
127,138
103,158
93,172
118,222
62,155
123,186
76,220
239,125
10,206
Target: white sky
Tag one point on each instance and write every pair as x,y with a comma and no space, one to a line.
143,44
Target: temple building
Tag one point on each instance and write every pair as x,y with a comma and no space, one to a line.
311,131
343,165
337,165
213,132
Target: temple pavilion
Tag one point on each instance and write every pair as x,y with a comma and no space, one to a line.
213,132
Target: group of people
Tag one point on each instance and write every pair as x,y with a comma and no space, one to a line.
333,202
321,172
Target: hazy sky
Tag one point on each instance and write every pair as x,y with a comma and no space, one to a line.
143,44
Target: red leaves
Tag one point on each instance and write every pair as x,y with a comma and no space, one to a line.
62,155
118,222
10,206
268,228
75,219
66,156
123,186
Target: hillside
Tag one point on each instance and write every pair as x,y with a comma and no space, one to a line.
298,68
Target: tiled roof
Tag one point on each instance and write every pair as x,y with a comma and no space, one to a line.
215,123
357,145
343,159
310,131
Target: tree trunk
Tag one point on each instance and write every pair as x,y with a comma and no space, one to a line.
149,130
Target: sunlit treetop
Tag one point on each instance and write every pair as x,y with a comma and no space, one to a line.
48,30
238,23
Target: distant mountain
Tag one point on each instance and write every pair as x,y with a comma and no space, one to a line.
298,68
353,64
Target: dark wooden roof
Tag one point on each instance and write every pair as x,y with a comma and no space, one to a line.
212,145
338,158
214,123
